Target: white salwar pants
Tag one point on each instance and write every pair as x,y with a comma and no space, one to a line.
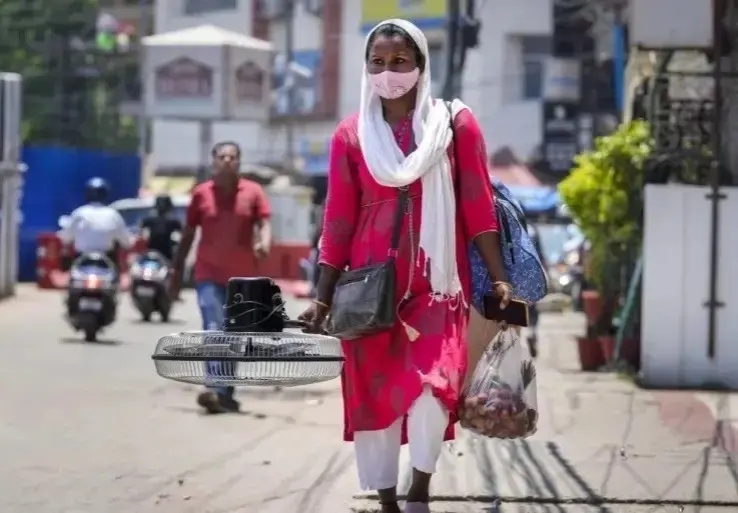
378,452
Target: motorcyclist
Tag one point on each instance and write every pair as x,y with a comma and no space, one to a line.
535,236
575,250
95,227
161,229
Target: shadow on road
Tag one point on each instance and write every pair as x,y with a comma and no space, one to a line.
287,394
171,322
98,342
193,410
543,477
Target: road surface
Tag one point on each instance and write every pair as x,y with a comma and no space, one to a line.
91,428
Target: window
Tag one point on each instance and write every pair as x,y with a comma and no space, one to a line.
536,49
204,6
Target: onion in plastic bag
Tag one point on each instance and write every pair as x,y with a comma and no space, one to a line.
500,400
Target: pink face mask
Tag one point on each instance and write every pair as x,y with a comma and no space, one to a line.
392,85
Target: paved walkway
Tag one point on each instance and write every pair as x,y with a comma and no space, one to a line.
90,428
601,442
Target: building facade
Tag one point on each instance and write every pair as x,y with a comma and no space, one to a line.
133,12
502,82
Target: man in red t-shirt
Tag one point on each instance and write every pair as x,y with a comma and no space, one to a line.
233,216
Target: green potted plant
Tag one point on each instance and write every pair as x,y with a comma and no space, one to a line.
604,194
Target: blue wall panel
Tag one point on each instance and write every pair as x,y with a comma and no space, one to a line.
54,186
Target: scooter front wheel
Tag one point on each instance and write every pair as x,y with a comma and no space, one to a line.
90,335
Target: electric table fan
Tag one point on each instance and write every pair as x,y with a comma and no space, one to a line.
253,348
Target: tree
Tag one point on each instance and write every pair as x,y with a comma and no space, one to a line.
72,90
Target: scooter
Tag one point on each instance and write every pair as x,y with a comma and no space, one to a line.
92,294
149,279
573,282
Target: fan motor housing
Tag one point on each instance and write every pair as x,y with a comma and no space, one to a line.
253,305
253,349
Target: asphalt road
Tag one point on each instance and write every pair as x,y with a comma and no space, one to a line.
91,428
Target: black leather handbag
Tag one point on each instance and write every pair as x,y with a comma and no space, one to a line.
364,298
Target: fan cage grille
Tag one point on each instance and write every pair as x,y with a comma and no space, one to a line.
214,358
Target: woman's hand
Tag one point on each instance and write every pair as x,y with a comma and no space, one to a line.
314,316
504,291
261,250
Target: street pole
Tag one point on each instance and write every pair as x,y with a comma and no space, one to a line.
618,34
289,50
143,26
469,38
452,38
715,195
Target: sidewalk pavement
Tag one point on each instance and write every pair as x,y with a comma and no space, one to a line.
24,294
602,445
139,446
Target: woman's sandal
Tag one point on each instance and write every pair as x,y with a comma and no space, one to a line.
417,507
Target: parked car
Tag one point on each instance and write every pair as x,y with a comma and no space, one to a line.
134,210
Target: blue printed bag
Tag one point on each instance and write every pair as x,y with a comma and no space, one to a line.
525,271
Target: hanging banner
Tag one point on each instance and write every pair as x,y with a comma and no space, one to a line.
562,79
670,24
560,135
314,154
426,14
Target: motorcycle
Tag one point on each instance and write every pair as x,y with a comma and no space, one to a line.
92,294
149,279
573,281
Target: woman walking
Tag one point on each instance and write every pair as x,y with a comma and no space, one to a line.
402,385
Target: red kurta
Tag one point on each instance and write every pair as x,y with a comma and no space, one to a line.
385,373
226,222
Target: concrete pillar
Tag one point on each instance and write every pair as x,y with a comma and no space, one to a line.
10,179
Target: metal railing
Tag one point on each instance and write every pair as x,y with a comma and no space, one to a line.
11,179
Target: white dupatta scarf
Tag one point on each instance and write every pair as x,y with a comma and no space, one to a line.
428,163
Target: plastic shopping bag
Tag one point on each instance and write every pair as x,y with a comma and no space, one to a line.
500,398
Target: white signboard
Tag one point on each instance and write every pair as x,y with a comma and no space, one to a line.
561,80
207,73
671,24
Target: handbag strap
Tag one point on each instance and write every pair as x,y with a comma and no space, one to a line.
453,132
404,192
455,152
501,219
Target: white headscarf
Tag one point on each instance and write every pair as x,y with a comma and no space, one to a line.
429,163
